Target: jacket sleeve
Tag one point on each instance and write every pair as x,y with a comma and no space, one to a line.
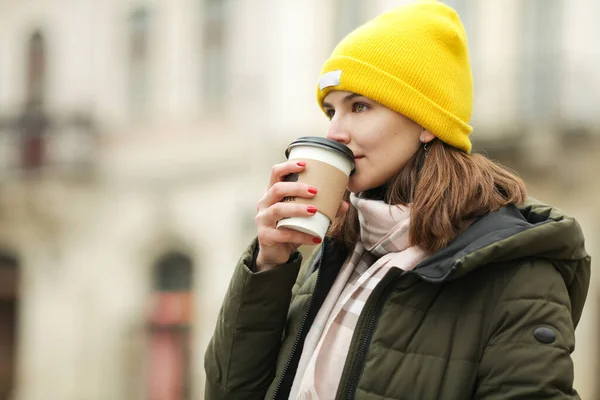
521,361
241,356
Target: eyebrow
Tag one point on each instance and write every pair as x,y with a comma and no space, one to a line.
345,100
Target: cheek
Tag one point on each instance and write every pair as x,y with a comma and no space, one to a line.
404,150
360,181
369,176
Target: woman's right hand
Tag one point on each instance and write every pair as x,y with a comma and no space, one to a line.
276,245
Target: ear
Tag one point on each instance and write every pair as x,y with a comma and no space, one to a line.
426,136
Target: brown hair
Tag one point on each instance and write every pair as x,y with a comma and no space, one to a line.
447,191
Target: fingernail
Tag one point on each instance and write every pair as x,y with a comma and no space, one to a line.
312,190
301,163
311,209
316,240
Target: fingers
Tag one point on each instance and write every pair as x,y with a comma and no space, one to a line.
281,190
269,216
272,208
280,171
270,237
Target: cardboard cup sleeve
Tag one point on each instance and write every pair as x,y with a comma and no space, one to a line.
330,182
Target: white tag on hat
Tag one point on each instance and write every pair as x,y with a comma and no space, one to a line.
330,79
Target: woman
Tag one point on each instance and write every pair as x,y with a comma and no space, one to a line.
439,280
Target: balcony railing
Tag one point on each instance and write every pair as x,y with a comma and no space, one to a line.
35,143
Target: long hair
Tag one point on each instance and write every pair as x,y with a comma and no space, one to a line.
446,192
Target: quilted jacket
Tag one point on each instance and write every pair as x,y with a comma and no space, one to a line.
492,316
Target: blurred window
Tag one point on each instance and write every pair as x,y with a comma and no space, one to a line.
36,66
349,15
215,61
169,329
33,122
542,32
9,296
173,273
139,71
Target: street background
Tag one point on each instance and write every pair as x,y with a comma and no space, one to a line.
136,137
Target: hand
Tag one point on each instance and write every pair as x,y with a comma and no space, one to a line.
276,245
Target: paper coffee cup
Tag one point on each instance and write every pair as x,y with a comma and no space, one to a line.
328,168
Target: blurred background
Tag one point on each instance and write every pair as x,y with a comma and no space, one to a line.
136,137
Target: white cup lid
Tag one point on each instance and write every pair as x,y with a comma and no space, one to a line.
325,143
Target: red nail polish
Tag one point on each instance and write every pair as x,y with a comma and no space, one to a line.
312,190
301,163
311,209
316,240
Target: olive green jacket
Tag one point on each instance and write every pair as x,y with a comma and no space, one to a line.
492,316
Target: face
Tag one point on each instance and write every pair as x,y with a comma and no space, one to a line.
382,140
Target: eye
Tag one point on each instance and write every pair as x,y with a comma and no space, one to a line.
330,113
359,107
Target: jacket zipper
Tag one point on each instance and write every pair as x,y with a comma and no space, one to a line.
355,363
299,335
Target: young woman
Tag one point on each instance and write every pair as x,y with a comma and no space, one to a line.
439,279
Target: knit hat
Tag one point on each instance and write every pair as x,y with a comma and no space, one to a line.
414,60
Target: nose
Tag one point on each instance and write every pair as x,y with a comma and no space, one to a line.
338,133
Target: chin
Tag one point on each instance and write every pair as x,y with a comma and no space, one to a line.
357,185
360,183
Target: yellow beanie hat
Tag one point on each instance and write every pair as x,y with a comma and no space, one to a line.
414,60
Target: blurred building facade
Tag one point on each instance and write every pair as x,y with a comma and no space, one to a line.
136,137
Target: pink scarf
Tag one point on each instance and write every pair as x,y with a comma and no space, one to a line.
383,245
